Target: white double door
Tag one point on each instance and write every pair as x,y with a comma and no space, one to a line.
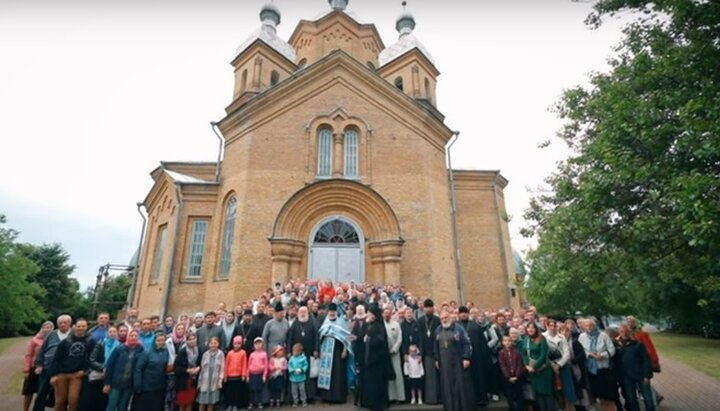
341,264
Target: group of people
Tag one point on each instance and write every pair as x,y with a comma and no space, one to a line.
316,341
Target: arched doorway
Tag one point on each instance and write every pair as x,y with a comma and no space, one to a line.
337,251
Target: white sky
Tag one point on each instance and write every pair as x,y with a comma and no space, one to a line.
93,94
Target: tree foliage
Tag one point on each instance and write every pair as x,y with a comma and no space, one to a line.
633,220
54,277
18,295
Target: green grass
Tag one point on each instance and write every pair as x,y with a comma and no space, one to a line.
7,342
695,352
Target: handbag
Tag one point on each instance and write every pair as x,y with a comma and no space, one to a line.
314,367
96,375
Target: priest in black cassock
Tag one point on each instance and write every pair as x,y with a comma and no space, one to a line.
479,349
334,347
374,365
429,323
453,353
303,331
248,330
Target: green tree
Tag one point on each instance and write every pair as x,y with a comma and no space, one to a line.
61,290
19,296
633,219
113,294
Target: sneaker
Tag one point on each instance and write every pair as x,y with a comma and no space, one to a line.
495,398
295,405
419,401
260,406
304,404
250,407
412,402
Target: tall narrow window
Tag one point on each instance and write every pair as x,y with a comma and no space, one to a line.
159,250
324,153
351,154
197,246
428,94
399,83
227,240
274,78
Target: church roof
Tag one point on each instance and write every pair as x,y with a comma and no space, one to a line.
186,179
405,25
267,33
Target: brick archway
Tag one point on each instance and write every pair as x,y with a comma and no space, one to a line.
356,201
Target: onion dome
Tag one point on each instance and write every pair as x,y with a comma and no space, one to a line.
405,25
270,19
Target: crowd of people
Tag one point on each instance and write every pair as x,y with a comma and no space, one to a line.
315,341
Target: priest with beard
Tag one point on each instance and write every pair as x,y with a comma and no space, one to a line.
429,323
453,353
479,350
335,357
374,366
248,330
303,331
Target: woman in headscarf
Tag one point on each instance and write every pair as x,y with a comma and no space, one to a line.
119,371
92,396
599,349
178,336
30,383
228,329
198,321
187,367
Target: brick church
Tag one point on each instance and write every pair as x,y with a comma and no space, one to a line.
334,166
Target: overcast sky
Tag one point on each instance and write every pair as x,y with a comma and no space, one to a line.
93,94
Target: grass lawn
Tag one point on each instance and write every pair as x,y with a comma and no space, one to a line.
7,342
696,352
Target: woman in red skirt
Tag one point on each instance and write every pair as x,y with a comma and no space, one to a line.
187,366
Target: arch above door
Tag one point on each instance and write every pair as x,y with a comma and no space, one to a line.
348,199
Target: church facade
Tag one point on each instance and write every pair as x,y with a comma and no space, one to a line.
334,167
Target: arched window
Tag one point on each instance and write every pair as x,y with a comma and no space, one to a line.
336,232
399,83
428,93
274,78
324,153
351,153
159,250
302,64
371,66
243,84
227,237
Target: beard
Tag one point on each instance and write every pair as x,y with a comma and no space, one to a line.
303,318
446,324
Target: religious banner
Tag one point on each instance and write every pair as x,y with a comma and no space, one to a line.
327,349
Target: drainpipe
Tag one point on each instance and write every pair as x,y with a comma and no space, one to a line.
453,212
503,256
218,134
131,293
168,283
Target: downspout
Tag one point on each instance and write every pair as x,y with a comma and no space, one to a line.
453,212
168,284
136,277
503,256
218,134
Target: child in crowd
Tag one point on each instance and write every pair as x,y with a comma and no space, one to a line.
414,370
236,364
257,372
212,372
278,368
513,371
298,367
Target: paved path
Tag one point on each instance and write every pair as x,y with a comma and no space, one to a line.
684,388
11,361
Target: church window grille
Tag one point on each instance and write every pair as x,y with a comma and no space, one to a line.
351,154
160,249
336,232
197,246
324,153
227,240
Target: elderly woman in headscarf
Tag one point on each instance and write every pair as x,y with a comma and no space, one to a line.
599,349
30,383
198,321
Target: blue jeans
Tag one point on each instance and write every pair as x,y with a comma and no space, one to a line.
631,389
119,399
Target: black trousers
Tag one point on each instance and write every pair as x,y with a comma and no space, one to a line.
149,401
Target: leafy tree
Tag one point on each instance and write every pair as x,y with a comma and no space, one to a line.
61,290
633,219
113,294
19,296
